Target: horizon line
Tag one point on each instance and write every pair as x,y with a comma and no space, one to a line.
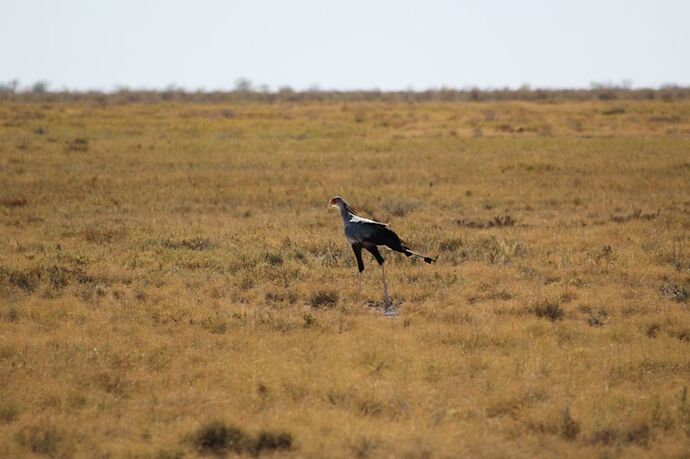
244,85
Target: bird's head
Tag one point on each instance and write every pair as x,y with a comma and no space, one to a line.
337,201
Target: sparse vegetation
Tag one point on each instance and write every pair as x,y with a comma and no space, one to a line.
42,439
13,201
569,428
547,309
199,244
268,441
8,411
165,263
219,438
324,298
246,91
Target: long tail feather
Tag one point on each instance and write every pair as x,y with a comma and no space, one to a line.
395,243
423,257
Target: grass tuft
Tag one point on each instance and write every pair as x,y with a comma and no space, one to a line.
11,202
675,292
273,259
217,437
27,280
569,428
324,299
41,439
197,243
268,441
8,411
103,234
547,309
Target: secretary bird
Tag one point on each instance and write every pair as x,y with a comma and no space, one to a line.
363,233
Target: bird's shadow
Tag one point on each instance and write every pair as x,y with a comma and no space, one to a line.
391,310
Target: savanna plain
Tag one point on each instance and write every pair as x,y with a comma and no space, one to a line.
172,283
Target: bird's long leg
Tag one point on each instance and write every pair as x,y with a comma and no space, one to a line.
375,252
386,298
357,249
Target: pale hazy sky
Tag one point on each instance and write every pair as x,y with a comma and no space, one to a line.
349,44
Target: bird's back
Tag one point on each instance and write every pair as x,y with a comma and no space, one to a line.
358,229
364,231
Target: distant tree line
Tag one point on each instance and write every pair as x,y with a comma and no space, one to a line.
244,90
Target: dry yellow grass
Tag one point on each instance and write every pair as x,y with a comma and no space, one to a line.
164,266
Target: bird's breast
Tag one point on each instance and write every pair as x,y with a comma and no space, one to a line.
357,232
349,236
